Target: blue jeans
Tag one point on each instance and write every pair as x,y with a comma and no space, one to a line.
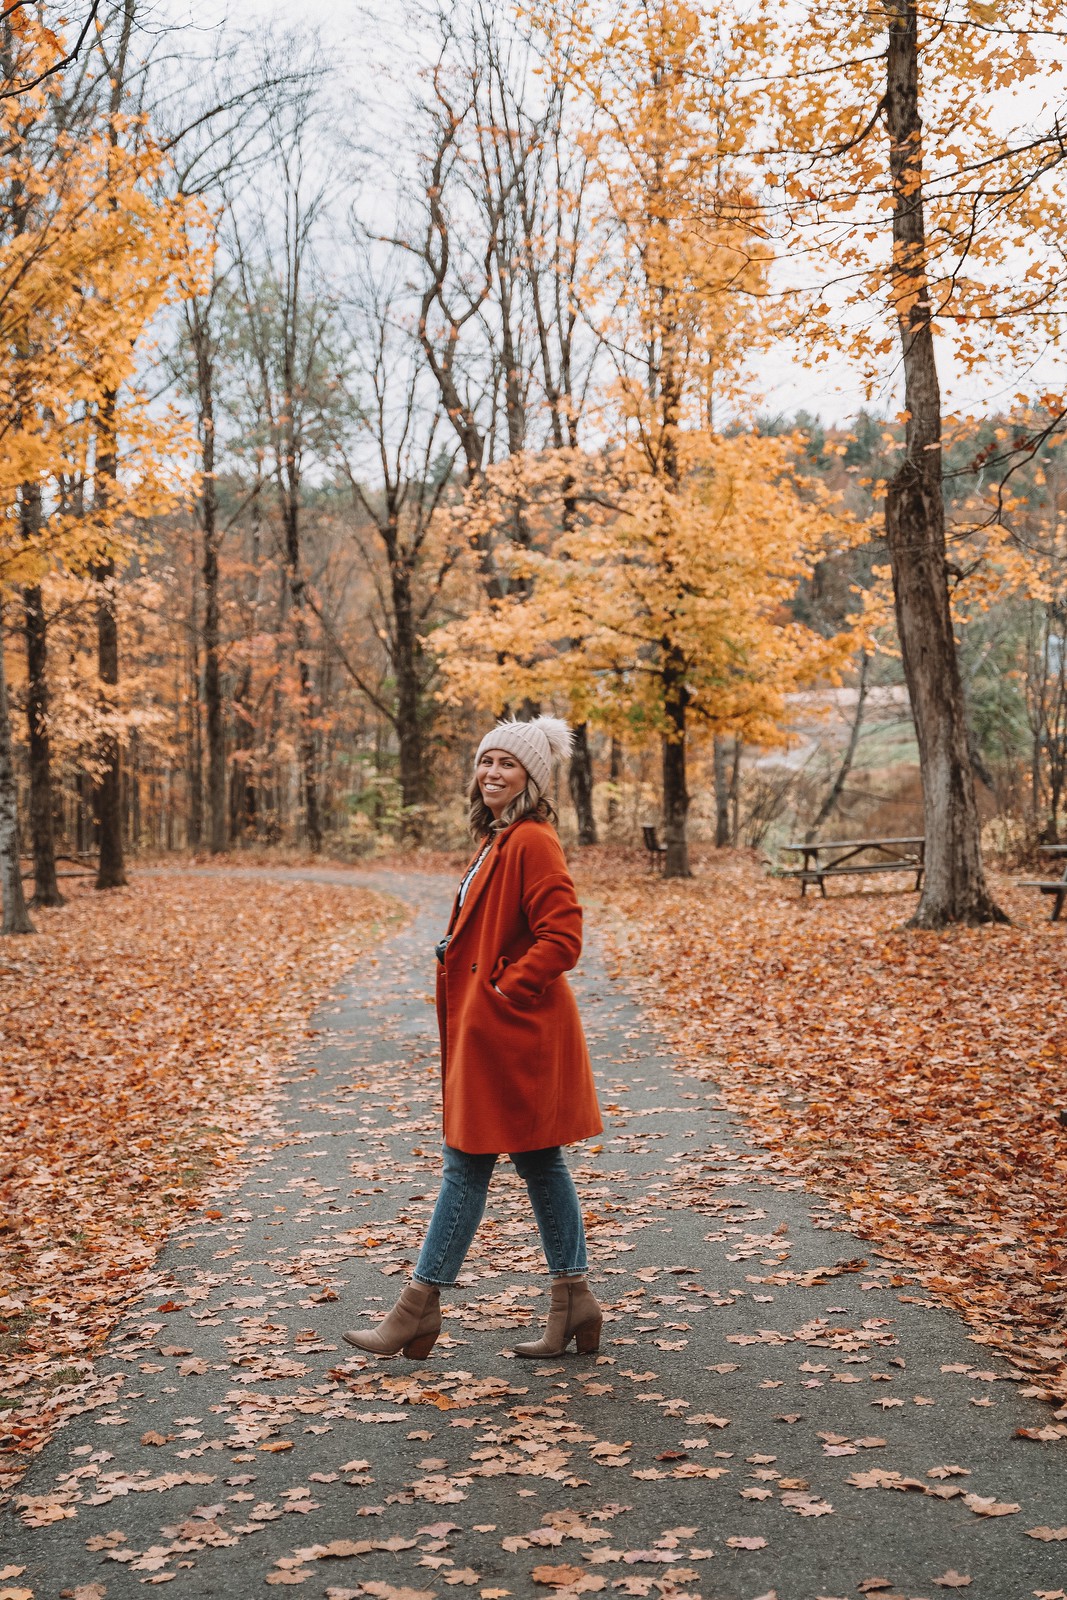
461,1205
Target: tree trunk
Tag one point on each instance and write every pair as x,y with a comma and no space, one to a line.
308,765
954,887
107,798
735,794
133,792
16,918
829,804
42,824
215,730
615,775
194,742
675,789
722,793
580,780
407,664
242,784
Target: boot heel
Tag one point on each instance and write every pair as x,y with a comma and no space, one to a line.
587,1338
418,1349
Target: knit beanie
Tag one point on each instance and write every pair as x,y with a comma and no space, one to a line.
537,744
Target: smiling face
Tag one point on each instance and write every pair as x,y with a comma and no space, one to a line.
501,778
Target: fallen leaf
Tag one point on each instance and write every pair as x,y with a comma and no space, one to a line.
386,1591
989,1506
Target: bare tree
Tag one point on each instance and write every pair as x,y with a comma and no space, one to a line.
497,245
289,324
399,416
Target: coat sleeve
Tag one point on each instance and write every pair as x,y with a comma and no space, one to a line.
550,906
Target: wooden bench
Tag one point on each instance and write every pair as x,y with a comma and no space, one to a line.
657,853
1057,887
892,855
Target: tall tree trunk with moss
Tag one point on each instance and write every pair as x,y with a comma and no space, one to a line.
954,886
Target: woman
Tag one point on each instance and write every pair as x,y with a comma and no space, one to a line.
515,1069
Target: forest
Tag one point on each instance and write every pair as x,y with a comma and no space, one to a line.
329,435
376,369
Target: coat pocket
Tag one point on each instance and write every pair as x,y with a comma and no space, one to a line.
510,1002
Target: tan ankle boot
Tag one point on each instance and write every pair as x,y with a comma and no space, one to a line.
411,1326
573,1314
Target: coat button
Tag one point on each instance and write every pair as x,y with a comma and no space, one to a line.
474,966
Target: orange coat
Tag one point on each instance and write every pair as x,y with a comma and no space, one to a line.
514,1065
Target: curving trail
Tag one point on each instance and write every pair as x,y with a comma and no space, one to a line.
740,1433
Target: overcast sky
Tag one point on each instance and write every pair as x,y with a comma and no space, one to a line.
367,40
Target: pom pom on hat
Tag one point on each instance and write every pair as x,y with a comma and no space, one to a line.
538,744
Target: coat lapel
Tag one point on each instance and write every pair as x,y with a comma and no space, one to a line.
478,883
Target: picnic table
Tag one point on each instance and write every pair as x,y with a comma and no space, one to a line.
1057,887
833,858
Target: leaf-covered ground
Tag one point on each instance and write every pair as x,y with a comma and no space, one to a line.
916,1077
773,1412
142,1031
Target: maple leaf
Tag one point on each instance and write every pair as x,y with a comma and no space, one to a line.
952,1580
560,1577
989,1506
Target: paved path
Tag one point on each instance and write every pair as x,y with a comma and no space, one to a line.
714,1449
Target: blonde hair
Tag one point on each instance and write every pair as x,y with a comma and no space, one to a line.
529,803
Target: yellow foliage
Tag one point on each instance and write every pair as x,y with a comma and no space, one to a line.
681,254
704,570
995,207
90,250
